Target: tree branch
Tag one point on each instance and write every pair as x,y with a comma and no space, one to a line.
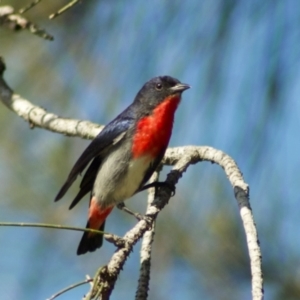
29,6
51,226
17,22
241,191
146,248
39,117
73,286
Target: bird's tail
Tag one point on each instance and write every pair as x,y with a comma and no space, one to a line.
91,241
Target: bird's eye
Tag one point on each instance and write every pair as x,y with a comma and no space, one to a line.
158,86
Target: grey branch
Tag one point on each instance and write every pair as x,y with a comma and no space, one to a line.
180,158
195,154
146,248
39,117
29,6
17,22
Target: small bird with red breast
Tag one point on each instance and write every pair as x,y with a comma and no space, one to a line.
125,154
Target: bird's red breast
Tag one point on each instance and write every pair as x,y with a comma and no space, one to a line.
153,132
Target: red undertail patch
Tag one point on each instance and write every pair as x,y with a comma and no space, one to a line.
97,215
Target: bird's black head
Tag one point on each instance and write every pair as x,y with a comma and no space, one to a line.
157,89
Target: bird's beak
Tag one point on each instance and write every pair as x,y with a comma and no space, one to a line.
180,87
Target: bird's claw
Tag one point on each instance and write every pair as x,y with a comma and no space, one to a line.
123,207
172,188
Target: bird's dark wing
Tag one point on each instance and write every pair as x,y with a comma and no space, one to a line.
112,134
88,180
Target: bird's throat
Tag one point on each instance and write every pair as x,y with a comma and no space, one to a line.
153,132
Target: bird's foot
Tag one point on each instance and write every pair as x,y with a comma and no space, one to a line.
123,207
138,216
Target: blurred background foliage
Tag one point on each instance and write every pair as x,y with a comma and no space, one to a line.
242,59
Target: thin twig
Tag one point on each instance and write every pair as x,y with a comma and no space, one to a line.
70,288
63,9
52,226
29,6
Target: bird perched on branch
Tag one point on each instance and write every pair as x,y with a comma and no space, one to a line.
125,154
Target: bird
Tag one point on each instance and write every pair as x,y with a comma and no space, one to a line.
124,155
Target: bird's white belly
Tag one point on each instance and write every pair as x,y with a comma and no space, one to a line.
111,188
132,180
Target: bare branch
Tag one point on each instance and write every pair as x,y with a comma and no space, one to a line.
17,22
64,9
241,191
146,248
29,6
52,226
73,286
39,117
